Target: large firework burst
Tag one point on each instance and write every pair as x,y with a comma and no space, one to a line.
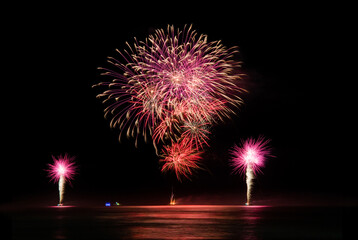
171,86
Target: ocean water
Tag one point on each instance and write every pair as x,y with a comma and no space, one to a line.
177,222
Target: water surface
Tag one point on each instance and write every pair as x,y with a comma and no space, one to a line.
178,222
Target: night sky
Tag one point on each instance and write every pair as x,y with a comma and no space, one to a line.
288,54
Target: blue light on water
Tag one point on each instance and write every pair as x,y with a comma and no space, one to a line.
108,204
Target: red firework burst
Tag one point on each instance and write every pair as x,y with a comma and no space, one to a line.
181,158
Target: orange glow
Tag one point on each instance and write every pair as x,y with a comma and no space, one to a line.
172,199
172,202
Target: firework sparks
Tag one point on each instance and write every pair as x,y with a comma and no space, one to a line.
249,158
196,133
63,169
172,198
170,87
180,158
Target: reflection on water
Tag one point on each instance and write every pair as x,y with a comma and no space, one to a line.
193,222
177,222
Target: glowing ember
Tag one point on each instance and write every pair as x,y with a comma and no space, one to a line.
172,202
172,199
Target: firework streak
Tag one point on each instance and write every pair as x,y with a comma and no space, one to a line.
172,88
249,158
63,169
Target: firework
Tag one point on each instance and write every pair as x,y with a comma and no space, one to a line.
171,87
181,158
63,169
196,133
172,198
249,158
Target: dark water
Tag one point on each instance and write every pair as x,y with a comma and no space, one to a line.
178,222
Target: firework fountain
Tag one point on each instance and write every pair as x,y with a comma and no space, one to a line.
63,169
172,88
172,198
248,159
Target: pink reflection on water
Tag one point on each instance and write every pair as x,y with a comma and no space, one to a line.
194,222
252,215
65,206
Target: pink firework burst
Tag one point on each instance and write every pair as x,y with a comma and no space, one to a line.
252,153
169,75
181,158
62,166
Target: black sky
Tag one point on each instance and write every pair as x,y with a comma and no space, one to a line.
287,55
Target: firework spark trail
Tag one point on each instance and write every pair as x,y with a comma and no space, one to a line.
169,81
249,159
63,169
61,189
249,182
